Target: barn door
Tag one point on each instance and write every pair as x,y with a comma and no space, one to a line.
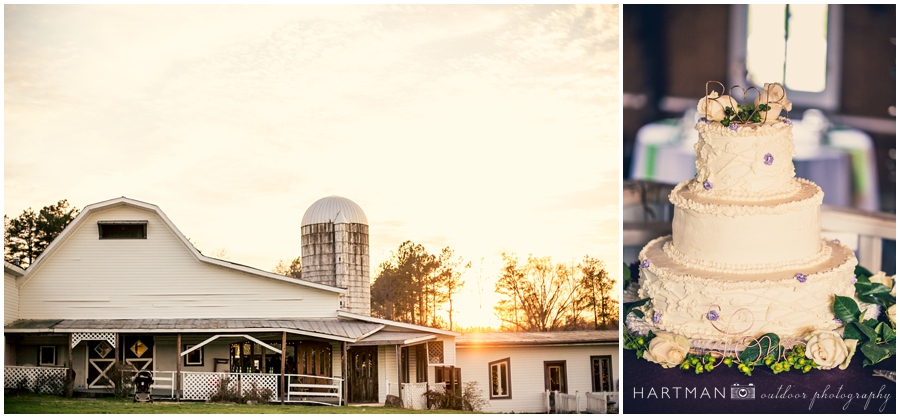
363,374
138,351
100,361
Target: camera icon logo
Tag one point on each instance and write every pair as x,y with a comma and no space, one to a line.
743,392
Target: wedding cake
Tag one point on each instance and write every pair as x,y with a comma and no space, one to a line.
746,256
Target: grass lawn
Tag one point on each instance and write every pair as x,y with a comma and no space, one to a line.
29,403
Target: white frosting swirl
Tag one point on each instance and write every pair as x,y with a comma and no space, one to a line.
753,161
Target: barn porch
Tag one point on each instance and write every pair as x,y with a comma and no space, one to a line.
332,361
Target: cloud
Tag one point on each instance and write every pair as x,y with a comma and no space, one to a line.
480,127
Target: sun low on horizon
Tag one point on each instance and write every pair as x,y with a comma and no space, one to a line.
486,129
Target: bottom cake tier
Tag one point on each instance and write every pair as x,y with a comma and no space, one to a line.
716,306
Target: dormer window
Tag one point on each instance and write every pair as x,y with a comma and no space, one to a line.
122,229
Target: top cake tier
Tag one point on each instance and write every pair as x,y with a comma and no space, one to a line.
751,162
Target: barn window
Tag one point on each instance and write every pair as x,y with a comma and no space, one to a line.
122,229
601,374
47,356
501,383
194,358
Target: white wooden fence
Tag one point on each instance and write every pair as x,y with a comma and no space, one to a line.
49,380
164,381
321,389
597,402
560,403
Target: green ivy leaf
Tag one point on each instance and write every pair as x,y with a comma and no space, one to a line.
851,332
862,274
867,330
875,352
876,293
638,313
763,345
888,334
845,309
628,306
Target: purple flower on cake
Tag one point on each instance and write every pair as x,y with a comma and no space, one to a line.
788,121
712,315
656,317
707,185
800,277
838,320
705,120
645,263
853,280
733,127
769,159
837,241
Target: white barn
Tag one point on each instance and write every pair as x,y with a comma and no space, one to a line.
121,283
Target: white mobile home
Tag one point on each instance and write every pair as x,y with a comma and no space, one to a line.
518,371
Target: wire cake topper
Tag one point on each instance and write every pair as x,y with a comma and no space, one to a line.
717,106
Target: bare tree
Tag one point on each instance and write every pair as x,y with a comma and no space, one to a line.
537,295
596,294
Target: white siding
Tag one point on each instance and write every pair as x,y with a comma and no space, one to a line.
387,371
10,299
336,360
527,372
155,277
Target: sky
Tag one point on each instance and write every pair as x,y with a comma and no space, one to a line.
488,129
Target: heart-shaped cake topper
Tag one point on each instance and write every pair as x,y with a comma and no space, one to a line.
716,106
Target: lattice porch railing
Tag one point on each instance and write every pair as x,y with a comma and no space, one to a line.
202,385
414,395
49,380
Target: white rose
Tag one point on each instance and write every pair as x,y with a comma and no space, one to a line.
775,96
892,315
712,107
667,349
829,350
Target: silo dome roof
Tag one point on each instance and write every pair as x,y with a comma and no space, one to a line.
334,209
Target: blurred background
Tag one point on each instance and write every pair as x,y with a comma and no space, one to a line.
838,63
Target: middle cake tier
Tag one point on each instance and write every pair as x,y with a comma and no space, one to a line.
747,237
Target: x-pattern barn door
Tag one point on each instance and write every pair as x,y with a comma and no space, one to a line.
100,361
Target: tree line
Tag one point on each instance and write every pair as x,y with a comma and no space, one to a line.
417,287
539,295
413,285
